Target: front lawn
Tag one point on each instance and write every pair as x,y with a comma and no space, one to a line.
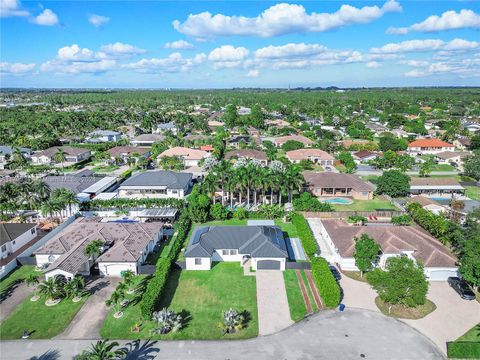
201,297
296,303
229,222
473,192
405,312
355,275
17,276
466,346
365,205
471,335
43,322
288,228
443,167
105,168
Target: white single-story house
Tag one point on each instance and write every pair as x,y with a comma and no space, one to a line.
190,157
13,236
73,155
439,264
126,246
261,247
99,136
429,204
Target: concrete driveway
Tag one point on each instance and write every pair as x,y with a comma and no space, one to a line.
351,335
272,303
452,318
88,321
13,296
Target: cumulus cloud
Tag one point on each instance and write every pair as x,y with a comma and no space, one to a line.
47,18
15,68
449,20
280,19
98,20
119,49
459,64
175,62
425,45
253,73
373,64
227,56
179,45
12,8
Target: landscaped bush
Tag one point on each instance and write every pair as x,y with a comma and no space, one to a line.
305,234
307,202
463,350
120,203
154,291
437,225
326,283
402,220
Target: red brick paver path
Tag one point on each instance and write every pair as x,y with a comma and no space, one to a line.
313,287
303,289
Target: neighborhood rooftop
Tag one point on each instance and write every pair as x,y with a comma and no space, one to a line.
169,179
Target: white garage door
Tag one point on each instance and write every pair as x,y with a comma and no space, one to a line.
441,275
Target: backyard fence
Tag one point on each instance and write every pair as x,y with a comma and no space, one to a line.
346,214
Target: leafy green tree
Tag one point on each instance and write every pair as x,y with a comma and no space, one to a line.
219,212
240,213
475,142
401,220
230,117
366,253
393,183
198,206
93,248
171,163
257,118
426,167
347,160
403,282
292,145
472,165
308,202
470,261
388,141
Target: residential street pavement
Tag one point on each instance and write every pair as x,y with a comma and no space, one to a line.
353,334
272,302
88,321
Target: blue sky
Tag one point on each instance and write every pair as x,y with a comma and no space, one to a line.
160,44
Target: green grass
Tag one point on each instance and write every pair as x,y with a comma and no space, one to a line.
365,205
309,292
471,335
473,192
466,346
229,222
443,167
105,168
296,303
201,297
42,321
405,312
16,276
288,227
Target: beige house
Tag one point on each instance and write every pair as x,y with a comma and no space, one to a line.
190,157
337,185
73,155
279,141
316,156
452,158
250,154
429,146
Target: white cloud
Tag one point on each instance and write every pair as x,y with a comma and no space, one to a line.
426,45
15,68
179,45
449,20
253,73
280,19
373,64
98,20
227,56
11,8
119,49
46,18
173,63
74,67
75,53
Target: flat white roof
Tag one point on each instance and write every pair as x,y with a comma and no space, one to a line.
100,185
106,196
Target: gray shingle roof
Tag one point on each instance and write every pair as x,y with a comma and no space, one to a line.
74,183
10,231
170,179
258,241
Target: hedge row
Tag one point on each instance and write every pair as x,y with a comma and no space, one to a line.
156,285
326,283
120,203
305,234
463,350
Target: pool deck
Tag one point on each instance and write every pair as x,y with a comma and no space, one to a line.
336,200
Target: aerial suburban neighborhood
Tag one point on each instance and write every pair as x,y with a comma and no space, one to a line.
196,206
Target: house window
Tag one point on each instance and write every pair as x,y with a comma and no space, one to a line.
233,252
32,231
51,258
4,248
224,252
13,242
198,261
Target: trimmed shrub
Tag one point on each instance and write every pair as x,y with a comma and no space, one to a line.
307,202
463,350
305,234
154,291
120,203
326,283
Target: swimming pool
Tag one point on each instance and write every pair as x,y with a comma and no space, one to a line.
338,201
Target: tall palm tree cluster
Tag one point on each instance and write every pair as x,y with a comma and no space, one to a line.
35,194
250,183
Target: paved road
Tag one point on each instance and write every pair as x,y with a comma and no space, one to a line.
88,321
272,302
326,335
12,297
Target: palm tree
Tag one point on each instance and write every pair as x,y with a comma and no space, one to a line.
51,288
75,287
128,279
102,350
116,300
41,189
93,248
32,281
60,156
50,207
69,198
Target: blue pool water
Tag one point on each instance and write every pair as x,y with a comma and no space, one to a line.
340,201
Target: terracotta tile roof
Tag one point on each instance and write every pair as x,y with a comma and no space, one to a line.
206,148
429,143
120,150
304,154
336,180
186,153
431,181
283,139
392,239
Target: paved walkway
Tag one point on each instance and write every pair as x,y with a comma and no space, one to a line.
351,335
12,297
325,250
88,321
272,303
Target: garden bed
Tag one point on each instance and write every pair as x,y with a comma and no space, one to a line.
405,312
355,275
